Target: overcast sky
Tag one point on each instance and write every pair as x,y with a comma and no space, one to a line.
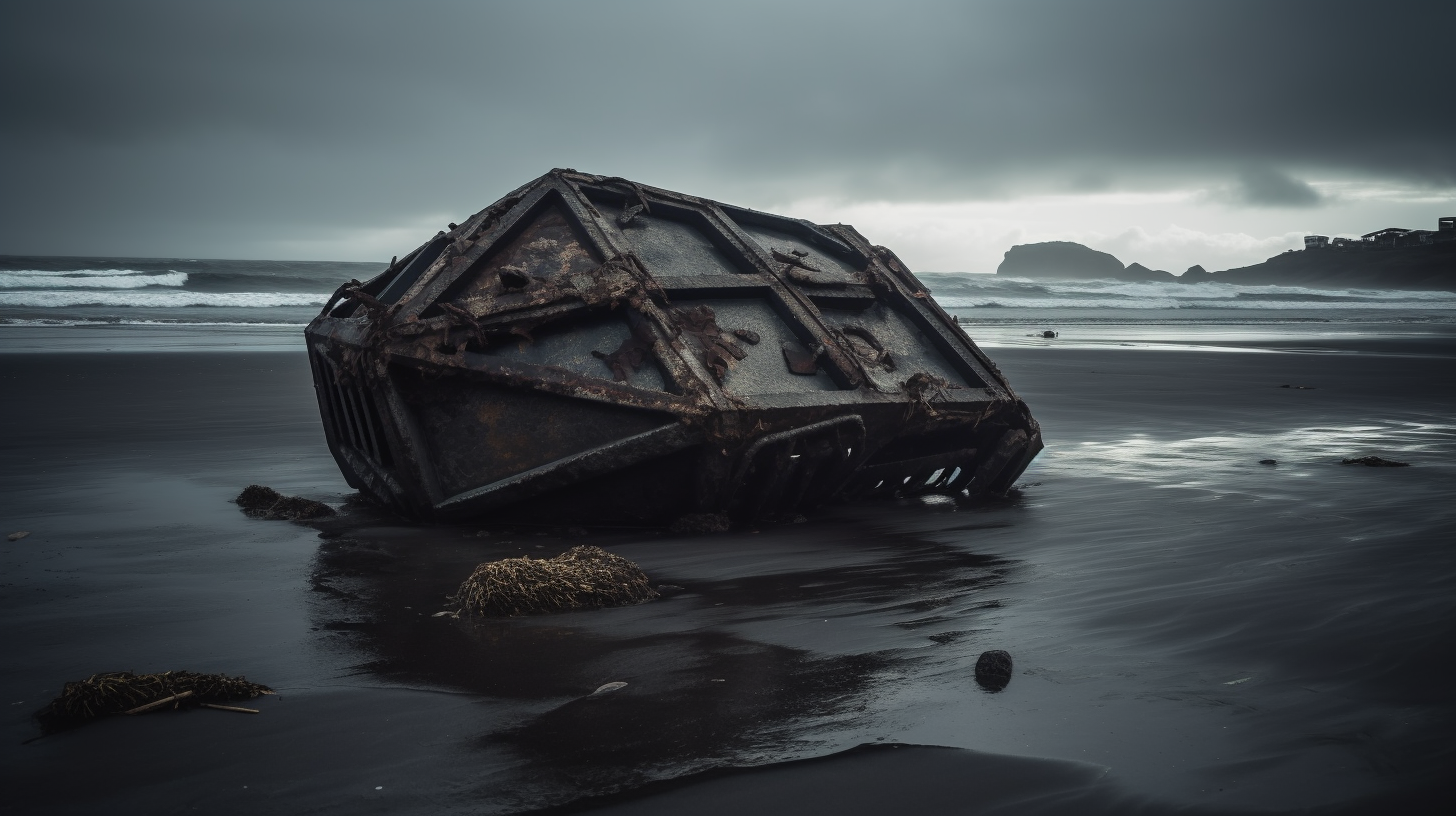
1169,133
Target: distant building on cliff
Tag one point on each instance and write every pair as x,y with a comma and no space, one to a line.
1389,238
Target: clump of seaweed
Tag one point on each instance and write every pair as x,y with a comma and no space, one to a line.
583,577
265,502
109,693
1374,461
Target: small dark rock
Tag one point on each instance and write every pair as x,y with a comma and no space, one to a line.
1374,461
993,670
668,590
1268,461
1049,334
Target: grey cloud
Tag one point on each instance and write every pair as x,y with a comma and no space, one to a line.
153,119
1265,187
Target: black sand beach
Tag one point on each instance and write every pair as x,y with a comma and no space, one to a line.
1193,631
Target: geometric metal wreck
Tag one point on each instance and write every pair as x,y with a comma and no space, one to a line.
592,350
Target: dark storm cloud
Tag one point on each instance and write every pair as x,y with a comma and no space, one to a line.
291,119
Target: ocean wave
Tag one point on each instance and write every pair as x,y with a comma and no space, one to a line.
84,272
161,300
988,291
993,302
89,279
48,323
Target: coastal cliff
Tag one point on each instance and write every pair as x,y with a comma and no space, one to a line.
1431,266
1420,267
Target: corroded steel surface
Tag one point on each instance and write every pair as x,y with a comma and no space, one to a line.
589,349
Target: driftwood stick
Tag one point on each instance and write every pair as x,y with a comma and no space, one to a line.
142,709
230,708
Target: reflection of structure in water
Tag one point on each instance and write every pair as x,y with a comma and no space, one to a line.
588,348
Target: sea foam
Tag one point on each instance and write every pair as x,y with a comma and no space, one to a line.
89,279
964,291
161,300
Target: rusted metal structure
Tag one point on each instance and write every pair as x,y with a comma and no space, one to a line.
588,349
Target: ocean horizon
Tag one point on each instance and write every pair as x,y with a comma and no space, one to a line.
62,291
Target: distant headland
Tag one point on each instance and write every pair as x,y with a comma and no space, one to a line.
1391,258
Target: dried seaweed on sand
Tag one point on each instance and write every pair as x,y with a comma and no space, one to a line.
126,693
580,578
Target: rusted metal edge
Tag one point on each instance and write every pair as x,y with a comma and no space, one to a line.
921,463
555,380
929,317
1013,470
1009,448
745,461
572,469
795,305
434,283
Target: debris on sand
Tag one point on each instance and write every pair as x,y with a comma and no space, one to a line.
606,687
109,693
17,535
1374,461
993,670
583,577
266,503
1299,387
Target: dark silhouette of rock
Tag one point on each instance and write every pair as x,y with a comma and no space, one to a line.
1418,267
1268,461
1427,267
1138,272
1059,259
993,670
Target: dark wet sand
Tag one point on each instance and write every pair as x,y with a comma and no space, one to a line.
1192,630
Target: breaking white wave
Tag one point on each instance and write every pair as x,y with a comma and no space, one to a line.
161,300
52,323
994,291
89,279
1170,303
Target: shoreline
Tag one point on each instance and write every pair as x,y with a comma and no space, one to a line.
1147,565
